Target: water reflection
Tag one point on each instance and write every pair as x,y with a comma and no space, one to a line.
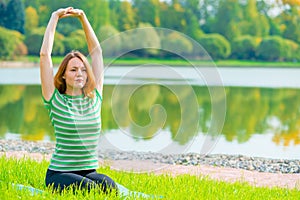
250,111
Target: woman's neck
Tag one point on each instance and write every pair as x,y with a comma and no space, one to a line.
73,92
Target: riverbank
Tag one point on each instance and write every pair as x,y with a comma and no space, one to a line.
33,61
283,166
170,164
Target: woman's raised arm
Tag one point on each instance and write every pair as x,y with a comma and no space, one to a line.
94,48
46,65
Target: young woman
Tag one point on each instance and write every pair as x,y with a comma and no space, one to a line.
73,98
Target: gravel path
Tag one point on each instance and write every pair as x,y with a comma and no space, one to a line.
283,166
255,171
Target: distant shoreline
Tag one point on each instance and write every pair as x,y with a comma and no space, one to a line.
33,61
17,64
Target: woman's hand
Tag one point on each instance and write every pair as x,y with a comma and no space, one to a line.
63,12
75,13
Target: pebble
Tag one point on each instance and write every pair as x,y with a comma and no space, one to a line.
284,166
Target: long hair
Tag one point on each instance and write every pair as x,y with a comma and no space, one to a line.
60,83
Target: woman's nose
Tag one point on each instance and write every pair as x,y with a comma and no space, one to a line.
79,72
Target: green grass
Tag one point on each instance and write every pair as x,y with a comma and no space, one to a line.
31,173
180,62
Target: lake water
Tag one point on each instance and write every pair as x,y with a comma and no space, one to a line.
248,111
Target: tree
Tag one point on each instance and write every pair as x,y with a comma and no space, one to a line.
254,23
227,19
97,11
207,13
172,16
292,21
178,43
148,11
15,15
32,19
6,44
110,40
127,16
244,47
2,13
216,45
114,7
193,27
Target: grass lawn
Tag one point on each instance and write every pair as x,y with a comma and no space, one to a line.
180,62
31,173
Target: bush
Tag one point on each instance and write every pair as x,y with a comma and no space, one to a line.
6,44
244,47
142,41
34,41
20,48
275,48
292,50
216,45
110,40
11,44
177,43
75,41
58,47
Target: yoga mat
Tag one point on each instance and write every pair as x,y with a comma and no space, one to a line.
123,191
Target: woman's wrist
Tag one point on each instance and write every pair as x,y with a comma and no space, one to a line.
55,15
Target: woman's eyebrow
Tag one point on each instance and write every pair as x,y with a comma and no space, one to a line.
75,66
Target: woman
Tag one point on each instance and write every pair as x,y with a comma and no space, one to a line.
73,99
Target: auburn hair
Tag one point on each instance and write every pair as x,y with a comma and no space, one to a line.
60,82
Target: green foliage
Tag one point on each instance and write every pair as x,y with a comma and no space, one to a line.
9,47
229,18
75,41
216,45
254,23
20,48
172,17
34,40
127,16
15,15
148,11
244,47
142,41
2,13
177,43
275,48
110,40
292,50
32,19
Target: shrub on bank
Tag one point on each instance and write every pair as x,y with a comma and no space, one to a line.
216,45
75,41
177,43
275,48
34,41
110,40
244,47
10,48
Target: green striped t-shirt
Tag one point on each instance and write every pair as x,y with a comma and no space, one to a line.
77,125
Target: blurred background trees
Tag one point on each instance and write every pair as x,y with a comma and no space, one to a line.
227,29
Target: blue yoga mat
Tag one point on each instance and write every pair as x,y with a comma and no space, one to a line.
123,191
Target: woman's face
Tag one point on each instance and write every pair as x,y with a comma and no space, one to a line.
75,74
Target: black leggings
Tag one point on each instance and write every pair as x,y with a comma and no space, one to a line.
84,179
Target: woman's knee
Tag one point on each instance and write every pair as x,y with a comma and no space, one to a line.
104,181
